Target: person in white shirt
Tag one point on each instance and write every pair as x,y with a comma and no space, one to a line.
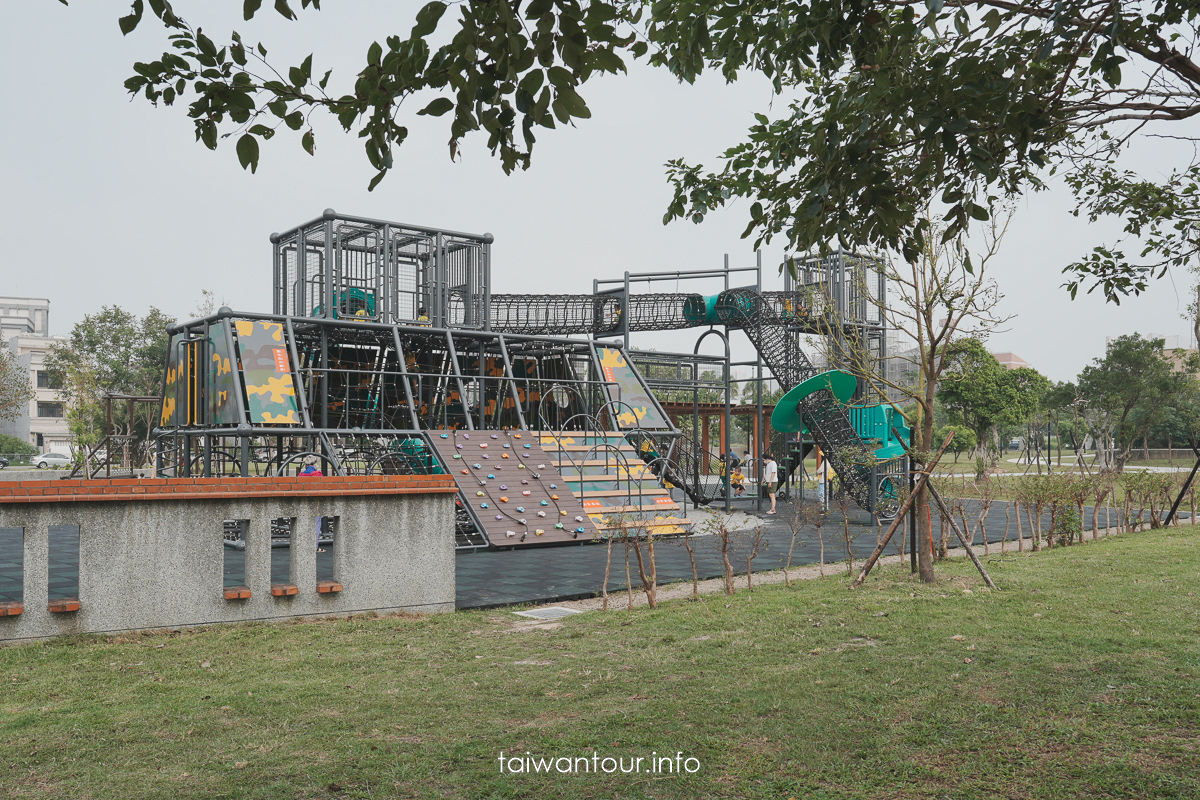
770,478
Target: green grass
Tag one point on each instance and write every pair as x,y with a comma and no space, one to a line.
1078,679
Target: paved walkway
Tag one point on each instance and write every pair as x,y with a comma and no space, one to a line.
548,574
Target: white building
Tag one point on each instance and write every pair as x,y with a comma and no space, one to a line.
25,330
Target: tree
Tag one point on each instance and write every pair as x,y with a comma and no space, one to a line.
111,352
964,441
887,107
984,396
1125,394
934,301
16,389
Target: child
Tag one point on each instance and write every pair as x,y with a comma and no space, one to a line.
738,481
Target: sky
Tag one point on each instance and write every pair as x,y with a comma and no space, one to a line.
106,200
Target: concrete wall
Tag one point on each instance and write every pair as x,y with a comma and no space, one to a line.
149,564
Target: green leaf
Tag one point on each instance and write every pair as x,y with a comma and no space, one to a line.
250,8
438,107
306,141
374,54
284,9
427,21
247,152
130,22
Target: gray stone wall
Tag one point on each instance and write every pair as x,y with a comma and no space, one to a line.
154,564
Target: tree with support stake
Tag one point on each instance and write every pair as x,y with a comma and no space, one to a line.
905,507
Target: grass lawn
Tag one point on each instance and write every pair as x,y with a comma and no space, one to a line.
1079,679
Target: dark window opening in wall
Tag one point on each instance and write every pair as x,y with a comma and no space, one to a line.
50,409
64,568
41,440
233,541
327,538
281,556
12,570
45,380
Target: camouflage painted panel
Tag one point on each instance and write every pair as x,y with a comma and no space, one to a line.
622,383
222,403
267,373
175,386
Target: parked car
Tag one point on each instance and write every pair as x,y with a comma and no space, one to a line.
3,462
52,460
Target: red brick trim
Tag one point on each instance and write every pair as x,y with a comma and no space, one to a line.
237,593
65,491
64,606
284,590
11,609
325,587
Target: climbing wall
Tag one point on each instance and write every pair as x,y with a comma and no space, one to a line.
512,487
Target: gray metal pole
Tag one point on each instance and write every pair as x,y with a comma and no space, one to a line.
412,408
758,399
462,391
329,294
512,383
296,376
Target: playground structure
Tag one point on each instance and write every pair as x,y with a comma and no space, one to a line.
387,352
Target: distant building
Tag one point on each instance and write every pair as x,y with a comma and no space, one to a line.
25,330
1010,360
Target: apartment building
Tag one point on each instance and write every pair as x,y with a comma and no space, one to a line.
25,330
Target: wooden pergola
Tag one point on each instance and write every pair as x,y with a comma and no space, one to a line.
678,410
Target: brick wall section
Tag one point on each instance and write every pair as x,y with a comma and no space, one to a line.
65,491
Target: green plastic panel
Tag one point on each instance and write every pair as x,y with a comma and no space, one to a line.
785,417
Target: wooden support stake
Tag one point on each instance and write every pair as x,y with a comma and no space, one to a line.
963,539
937,498
862,576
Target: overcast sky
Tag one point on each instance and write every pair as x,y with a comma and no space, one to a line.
110,201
